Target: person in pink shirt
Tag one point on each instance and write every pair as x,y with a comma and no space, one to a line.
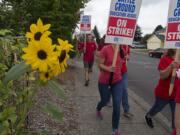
89,50
105,64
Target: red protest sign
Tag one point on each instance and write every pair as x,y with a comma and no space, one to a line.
121,27
173,25
173,32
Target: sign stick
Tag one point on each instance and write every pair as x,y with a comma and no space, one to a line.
116,50
115,55
174,73
84,42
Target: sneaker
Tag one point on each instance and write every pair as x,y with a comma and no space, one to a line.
86,83
99,115
128,115
116,132
149,121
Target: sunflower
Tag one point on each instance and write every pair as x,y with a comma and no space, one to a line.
56,69
63,57
62,50
39,31
65,45
45,76
40,55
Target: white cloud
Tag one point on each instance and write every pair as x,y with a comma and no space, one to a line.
99,9
152,13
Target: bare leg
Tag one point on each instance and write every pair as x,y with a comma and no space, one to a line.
86,74
86,77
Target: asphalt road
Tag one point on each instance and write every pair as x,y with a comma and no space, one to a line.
143,77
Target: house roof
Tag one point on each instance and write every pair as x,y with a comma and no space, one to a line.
161,37
161,31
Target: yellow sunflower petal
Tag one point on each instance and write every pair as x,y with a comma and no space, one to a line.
60,41
33,28
43,67
46,33
40,24
29,35
46,27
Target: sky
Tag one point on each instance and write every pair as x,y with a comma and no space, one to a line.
152,13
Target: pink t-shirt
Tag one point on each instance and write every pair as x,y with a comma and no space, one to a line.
107,53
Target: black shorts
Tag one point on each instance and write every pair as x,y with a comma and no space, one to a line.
88,65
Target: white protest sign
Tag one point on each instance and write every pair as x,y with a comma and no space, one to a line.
85,23
122,21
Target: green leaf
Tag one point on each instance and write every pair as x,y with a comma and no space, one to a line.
4,32
3,129
7,113
53,111
56,88
16,71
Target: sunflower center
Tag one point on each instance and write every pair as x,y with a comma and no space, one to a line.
37,36
42,54
46,75
62,56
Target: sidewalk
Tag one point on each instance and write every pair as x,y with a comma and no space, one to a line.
87,98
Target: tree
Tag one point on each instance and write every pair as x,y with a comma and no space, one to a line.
158,28
62,14
138,34
97,35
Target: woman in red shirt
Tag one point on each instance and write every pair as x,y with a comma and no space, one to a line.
88,57
162,97
105,64
177,112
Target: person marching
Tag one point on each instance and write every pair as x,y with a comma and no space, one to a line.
125,54
162,98
89,50
177,111
105,64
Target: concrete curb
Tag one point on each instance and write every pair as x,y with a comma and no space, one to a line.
159,118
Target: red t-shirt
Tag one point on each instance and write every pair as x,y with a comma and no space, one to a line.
90,50
126,50
162,89
174,132
107,53
124,67
100,47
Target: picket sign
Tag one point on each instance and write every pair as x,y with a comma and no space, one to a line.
85,23
122,23
85,26
173,34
